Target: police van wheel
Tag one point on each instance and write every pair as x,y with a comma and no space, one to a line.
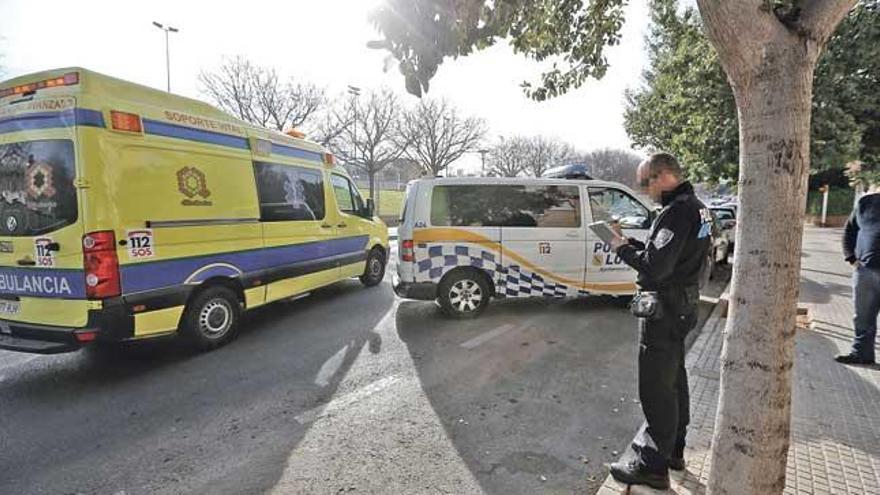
374,272
211,318
463,294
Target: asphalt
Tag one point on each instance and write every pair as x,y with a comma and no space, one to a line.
347,391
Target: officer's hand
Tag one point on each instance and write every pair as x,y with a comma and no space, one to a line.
615,226
618,242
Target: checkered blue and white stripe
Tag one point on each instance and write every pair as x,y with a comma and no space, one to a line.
434,261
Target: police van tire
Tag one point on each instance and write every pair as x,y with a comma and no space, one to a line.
463,294
211,318
374,270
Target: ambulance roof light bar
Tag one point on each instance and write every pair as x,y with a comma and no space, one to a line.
69,79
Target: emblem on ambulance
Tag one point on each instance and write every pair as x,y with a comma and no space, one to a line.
39,180
192,183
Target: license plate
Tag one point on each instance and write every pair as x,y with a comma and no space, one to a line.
10,307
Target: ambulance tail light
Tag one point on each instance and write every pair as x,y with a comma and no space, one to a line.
126,122
101,265
407,250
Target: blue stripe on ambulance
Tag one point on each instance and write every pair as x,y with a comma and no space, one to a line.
157,128
142,277
94,118
43,282
48,120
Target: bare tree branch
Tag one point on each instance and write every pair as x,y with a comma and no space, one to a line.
365,133
820,17
438,135
259,96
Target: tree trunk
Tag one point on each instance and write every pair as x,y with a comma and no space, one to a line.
372,177
752,425
769,59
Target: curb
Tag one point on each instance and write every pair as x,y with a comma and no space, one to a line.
717,317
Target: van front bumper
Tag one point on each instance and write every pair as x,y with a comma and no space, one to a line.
426,291
109,324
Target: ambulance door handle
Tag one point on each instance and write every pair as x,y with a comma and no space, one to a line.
26,262
572,234
342,225
326,226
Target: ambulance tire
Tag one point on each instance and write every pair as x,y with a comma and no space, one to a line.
374,271
463,294
211,318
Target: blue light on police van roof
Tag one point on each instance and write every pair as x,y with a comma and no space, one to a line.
570,171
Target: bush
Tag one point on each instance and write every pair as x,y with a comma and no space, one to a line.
840,202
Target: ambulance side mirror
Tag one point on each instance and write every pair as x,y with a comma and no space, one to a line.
370,208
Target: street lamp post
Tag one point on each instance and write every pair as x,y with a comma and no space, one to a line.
167,29
355,92
482,153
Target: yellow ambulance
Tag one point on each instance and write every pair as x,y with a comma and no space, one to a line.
128,213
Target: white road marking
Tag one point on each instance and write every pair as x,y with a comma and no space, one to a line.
12,359
330,367
491,334
347,399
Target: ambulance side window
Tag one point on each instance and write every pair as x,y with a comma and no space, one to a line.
347,196
289,193
611,205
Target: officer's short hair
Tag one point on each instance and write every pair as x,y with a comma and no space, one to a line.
664,162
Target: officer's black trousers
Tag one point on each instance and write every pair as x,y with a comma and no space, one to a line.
663,386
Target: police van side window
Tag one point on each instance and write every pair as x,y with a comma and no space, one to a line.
506,206
289,193
612,205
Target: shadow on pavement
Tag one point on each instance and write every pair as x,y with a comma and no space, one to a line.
535,395
159,419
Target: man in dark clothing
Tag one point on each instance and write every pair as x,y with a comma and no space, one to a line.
861,247
669,264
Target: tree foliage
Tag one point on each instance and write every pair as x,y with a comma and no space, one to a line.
258,95
570,35
685,105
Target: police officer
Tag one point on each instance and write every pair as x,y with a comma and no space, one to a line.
669,266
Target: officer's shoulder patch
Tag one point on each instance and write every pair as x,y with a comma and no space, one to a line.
663,237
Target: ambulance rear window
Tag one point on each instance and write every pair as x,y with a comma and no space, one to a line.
37,194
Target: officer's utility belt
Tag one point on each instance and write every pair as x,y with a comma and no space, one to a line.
649,304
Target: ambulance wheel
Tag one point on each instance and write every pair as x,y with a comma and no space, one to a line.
374,272
211,318
463,294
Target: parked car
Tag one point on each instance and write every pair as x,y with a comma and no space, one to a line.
726,216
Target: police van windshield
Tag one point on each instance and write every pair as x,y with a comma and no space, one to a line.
37,193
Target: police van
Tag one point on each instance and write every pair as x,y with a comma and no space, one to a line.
466,240
128,213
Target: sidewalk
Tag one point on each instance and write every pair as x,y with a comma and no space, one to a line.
835,441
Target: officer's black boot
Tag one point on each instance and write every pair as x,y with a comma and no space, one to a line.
635,473
676,463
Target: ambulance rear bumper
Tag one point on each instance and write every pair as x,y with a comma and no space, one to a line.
108,324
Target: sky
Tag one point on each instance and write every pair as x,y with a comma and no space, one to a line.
322,41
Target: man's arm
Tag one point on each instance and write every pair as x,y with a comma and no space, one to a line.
850,233
658,258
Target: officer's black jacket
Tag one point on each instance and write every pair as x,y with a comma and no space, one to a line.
677,245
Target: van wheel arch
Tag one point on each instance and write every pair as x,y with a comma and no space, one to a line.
455,276
232,284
